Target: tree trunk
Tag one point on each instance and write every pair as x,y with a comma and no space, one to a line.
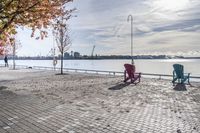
61,63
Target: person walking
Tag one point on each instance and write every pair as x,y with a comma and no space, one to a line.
6,61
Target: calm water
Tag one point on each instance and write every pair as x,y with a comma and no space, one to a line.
158,66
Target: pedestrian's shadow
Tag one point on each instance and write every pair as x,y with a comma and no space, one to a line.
3,88
119,86
5,93
180,87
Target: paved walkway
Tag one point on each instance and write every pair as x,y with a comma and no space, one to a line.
157,111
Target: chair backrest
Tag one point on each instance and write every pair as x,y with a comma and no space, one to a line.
130,69
179,70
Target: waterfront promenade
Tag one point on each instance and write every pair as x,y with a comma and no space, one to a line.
37,101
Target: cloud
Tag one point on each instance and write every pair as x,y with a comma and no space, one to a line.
156,29
184,24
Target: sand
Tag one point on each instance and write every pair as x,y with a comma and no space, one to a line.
71,87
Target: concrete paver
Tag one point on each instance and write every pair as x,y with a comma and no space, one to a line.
163,111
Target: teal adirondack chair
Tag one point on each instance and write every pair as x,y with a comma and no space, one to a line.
179,75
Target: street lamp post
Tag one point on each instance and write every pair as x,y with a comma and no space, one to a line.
53,50
14,54
130,18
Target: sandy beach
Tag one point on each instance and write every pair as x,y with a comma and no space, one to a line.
98,103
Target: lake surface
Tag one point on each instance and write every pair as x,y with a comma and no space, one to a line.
156,66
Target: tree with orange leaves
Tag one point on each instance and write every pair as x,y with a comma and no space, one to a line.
36,14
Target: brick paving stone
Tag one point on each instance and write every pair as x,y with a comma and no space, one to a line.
162,110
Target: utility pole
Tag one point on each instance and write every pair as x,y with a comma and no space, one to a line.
130,18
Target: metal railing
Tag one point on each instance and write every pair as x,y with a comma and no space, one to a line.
114,73
106,72
166,75
80,70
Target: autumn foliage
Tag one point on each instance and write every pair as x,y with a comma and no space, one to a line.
36,14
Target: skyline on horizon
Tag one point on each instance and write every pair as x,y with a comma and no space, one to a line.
160,27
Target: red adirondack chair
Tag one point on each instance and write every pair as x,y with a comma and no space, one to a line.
132,75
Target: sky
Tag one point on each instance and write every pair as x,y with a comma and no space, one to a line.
170,27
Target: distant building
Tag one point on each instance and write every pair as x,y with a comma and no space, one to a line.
76,55
66,55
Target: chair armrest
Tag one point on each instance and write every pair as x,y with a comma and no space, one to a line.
188,74
139,73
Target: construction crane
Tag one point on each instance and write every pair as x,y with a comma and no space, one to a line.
93,51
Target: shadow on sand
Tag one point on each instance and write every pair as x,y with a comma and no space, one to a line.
180,87
61,74
119,86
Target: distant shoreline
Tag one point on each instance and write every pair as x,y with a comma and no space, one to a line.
105,58
100,57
